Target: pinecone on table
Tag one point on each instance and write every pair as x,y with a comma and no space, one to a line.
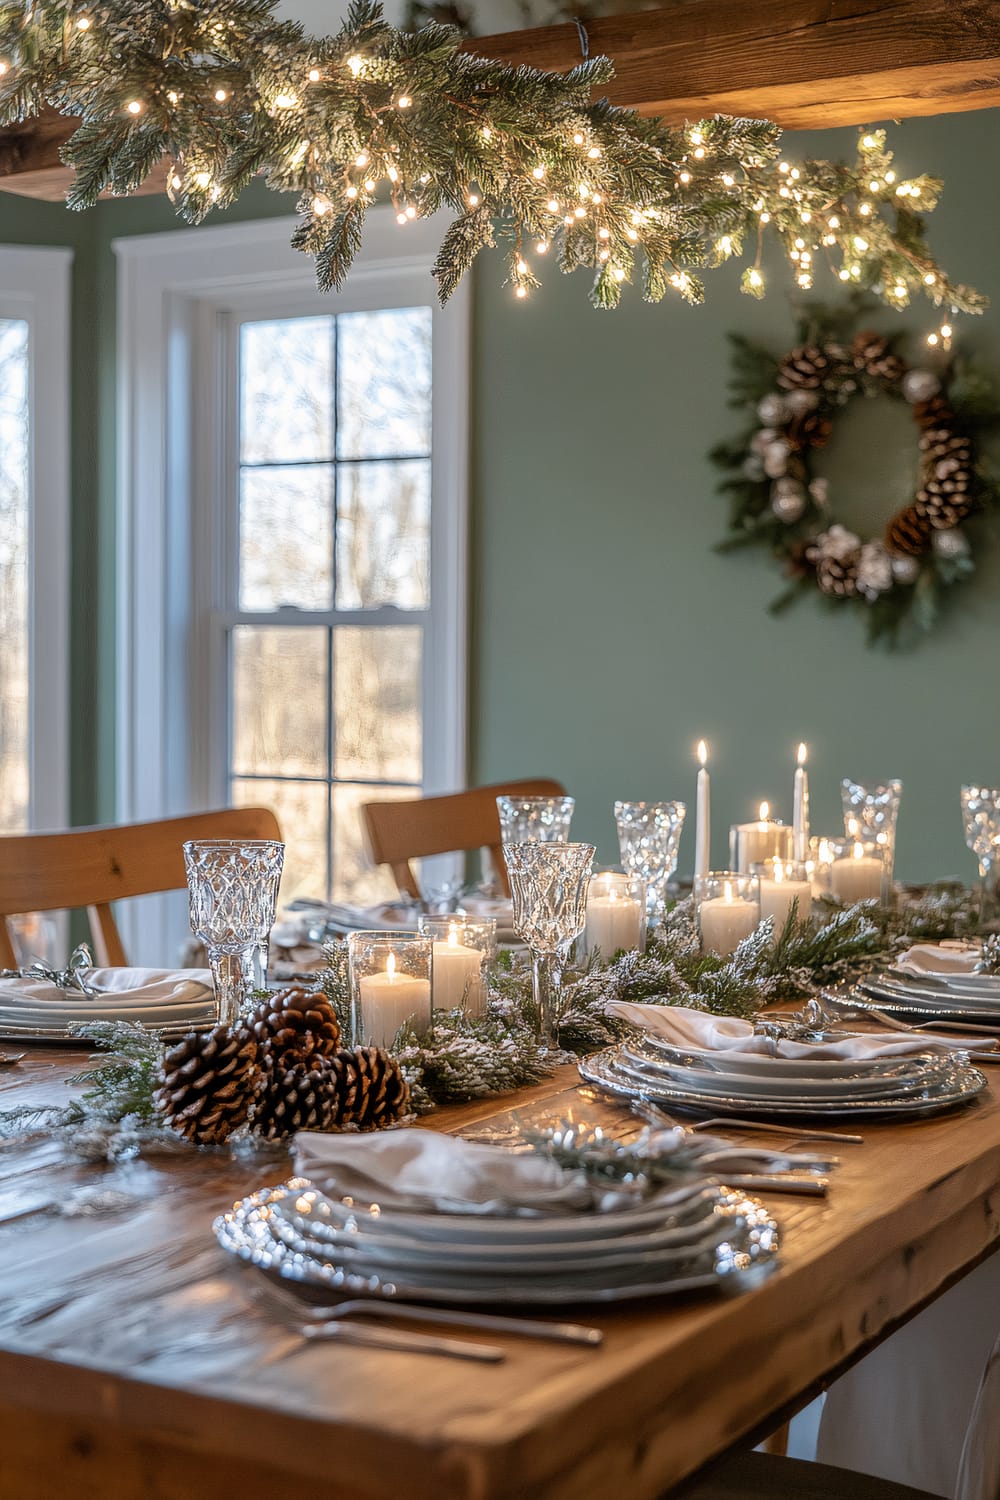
804,368
908,533
293,1024
837,576
873,357
298,1095
371,1089
208,1082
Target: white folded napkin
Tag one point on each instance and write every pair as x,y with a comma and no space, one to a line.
940,958
119,995
693,1030
422,1171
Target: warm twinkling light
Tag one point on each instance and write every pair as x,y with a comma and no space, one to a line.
860,244
542,247
728,180
522,267
864,209
221,96
930,279
400,218
134,107
473,200
521,292
285,101
314,75
700,153
411,212
369,184
873,186
697,137
869,142
946,330
538,173
580,213
754,277
172,98
176,182
618,273
404,101
765,217
351,192
362,159
594,152
833,221
553,205
392,173
84,23
685,177
578,139
932,339
783,166
603,234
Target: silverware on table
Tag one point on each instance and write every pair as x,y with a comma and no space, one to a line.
400,1342
655,1113
533,1328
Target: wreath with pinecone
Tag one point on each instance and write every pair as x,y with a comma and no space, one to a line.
281,1070
899,579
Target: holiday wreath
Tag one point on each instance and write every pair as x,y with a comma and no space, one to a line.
900,576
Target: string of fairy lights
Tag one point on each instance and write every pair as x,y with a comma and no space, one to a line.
226,92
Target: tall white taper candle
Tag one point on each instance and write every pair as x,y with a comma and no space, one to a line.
703,831
800,814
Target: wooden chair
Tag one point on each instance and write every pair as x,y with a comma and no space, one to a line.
400,831
92,867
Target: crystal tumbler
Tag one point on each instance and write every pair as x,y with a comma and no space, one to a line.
648,836
535,820
548,884
870,814
981,826
233,896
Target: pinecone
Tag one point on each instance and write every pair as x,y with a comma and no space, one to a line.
809,430
371,1089
908,533
207,1083
804,368
944,444
293,1024
837,576
873,356
299,1096
942,511
934,413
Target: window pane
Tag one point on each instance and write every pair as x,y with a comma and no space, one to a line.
376,697
384,383
286,551
286,390
383,535
302,809
14,533
280,699
354,877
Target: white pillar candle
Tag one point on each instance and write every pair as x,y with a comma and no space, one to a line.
819,869
388,999
777,894
614,922
856,877
751,843
800,812
725,921
702,832
458,976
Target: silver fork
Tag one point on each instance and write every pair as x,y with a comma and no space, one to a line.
660,1116
895,1024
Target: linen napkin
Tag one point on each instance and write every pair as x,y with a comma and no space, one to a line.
940,958
694,1031
422,1171
147,995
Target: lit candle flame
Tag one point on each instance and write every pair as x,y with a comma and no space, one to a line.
702,753
803,753
765,809
390,966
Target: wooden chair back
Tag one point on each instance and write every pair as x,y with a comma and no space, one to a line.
400,831
91,867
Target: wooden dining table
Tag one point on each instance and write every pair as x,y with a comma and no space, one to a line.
139,1362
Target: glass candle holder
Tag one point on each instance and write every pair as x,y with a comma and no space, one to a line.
548,886
648,837
751,843
870,814
463,947
727,903
390,975
233,897
820,862
782,884
981,827
535,820
616,914
858,871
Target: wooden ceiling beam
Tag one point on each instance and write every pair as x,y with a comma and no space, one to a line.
802,63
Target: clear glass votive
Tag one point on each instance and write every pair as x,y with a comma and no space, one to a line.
870,815
548,887
820,862
616,914
858,871
390,975
233,897
782,884
751,843
535,820
727,903
463,947
648,837
981,827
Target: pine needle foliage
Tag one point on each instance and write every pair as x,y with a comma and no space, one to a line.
226,91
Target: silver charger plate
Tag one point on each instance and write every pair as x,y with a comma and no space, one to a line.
911,1072
605,1071
740,1261
923,1004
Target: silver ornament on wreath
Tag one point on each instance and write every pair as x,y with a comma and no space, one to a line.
920,385
788,499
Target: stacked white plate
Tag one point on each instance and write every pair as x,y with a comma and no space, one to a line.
942,996
684,1239
173,1001
757,1085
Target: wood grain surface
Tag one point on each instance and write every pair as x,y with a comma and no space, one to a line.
138,1362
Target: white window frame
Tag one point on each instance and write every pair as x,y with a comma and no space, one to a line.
35,287
176,293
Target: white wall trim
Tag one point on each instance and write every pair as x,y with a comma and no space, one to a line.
166,282
35,286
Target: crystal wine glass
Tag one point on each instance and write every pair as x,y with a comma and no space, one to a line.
233,895
981,825
870,814
548,884
648,836
535,820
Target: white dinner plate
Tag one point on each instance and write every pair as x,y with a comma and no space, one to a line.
911,1073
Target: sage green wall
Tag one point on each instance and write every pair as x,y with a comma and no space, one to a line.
606,634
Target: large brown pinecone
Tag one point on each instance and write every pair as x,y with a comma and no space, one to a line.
944,496
208,1082
293,1024
810,429
908,533
300,1094
371,1089
872,355
934,413
837,577
804,368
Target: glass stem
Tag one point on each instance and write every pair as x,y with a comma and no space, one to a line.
233,977
984,890
546,977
